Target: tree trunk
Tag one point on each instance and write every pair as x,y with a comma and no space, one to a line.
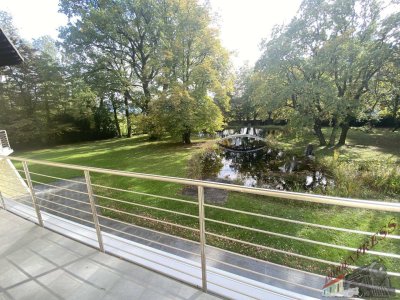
127,114
269,120
395,109
332,138
186,137
319,133
116,116
47,108
255,117
48,125
343,135
147,97
98,119
396,125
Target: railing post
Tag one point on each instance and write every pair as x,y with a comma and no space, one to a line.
3,204
34,200
200,190
94,211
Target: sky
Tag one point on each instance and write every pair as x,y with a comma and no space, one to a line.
243,23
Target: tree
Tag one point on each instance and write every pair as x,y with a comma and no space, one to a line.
43,102
256,95
387,91
147,47
31,92
177,112
244,107
194,55
292,60
357,51
327,57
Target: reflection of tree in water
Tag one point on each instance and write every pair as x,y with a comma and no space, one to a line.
264,167
247,163
242,144
257,131
271,168
250,161
211,163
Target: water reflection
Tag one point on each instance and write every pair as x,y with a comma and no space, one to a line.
259,132
269,168
265,167
240,143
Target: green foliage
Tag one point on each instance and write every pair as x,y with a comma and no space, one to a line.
145,48
172,160
365,179
258,96
327,58
179,113
204,163
115,59
104,125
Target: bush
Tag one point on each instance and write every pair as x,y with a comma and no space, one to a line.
148,125
378,179
204,163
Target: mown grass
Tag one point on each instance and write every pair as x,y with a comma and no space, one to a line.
367,167
354,166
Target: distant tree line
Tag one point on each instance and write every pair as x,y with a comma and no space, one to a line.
158,67
336,63
154,66
43,101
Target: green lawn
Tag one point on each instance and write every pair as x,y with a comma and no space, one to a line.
169,158
382,144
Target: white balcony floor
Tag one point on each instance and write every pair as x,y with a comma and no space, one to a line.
36,263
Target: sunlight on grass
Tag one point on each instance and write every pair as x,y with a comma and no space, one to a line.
349,165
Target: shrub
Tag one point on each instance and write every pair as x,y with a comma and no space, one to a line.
378,179
205,162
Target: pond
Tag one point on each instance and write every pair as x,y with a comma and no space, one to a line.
260,132
245,157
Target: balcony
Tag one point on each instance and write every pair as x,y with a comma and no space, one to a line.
37,263
79,203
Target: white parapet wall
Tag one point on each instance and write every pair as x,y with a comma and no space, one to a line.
12,185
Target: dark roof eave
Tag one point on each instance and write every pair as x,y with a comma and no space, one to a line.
9,55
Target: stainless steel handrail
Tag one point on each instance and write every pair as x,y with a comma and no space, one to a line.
59,196
148,229
366,204
59,178
368,233
62,213
358,203
145,194
393,255
146,218
146,206
201,231
63,205
148,240
60,188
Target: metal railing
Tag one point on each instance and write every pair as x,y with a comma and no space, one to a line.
116,210
4,143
